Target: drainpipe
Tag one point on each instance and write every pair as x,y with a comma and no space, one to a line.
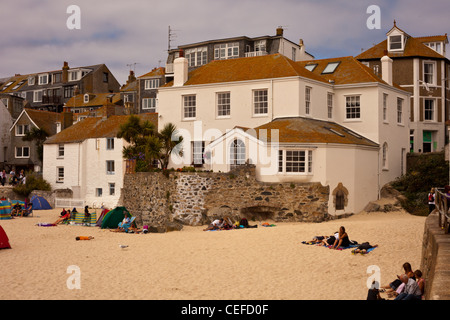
378,174
271,98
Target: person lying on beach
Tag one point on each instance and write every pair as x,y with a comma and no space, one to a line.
215,225
330,240
343,240
84,238
63,218
363,247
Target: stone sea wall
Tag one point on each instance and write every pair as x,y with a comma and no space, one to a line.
197,198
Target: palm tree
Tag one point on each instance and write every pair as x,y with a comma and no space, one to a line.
39,136
171,143
147,145
135,133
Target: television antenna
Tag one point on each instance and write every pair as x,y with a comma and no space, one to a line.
132,65
171,36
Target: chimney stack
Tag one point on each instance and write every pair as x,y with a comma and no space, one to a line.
131,77
280,31
386,69
180,70
302,48
65,72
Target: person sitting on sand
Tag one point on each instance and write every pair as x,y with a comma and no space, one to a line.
420,281
26,211
121,226
17,208
411,290
63,218
343,240
87,215
363,247
397,282
215,225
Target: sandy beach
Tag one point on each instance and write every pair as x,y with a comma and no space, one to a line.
264,263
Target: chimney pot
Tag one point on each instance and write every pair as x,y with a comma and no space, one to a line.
280,31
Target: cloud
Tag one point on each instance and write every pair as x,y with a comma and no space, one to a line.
120,33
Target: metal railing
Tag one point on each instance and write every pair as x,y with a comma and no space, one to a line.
255,54
442,202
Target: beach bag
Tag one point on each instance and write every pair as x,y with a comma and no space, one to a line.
244,222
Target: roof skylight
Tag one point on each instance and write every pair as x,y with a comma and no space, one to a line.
331,67
311,67
334,131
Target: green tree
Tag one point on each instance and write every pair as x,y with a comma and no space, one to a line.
39,136
171,143
148,145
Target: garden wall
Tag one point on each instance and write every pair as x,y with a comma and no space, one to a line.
196,198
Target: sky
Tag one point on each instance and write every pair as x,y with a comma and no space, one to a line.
133,34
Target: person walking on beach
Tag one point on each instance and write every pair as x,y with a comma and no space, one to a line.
3,177
431,200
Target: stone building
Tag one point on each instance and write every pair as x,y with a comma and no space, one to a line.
419,66
201,53
50,90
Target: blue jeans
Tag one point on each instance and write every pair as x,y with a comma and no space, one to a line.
407,296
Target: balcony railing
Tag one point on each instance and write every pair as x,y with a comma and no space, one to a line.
51,99
169,67
255,54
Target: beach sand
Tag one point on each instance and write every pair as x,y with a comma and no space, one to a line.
264,263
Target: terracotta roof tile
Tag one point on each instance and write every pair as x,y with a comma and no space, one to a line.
155,72
45,119
95,100
413,48
348,71
307,130
245,69
96,127
435,38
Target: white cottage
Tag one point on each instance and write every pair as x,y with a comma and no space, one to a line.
224,99
87,158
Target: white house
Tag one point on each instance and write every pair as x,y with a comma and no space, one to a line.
256,93
87,158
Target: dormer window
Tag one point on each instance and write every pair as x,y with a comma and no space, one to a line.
395,43
86,98
31,80
43,79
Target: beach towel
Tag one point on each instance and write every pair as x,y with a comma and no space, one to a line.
265,224
45,224
320,245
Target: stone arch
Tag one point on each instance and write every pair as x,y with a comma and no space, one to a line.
340,197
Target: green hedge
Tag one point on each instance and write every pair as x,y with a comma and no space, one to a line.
425,171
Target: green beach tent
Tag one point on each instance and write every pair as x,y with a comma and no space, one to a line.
112,218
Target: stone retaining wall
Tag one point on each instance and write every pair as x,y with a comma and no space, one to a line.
196,198
435,263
